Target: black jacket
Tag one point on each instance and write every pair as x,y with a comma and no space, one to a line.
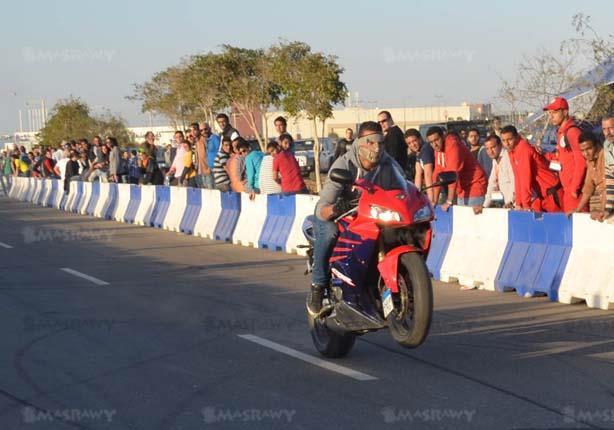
394,142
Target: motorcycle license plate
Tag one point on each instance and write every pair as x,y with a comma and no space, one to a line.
387,302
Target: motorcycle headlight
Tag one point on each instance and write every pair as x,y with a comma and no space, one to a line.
384,215
423,214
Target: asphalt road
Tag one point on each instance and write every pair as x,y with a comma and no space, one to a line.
113,326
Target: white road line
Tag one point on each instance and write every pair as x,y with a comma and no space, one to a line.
5,245
84,276
308,358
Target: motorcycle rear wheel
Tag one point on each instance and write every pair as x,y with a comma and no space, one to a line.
410,320
329,343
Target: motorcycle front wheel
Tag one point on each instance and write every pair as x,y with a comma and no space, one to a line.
410,320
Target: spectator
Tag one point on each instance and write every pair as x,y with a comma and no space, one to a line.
236,166
281,126
500,189
60,166
169,155
189,174
84,164
48,165
253,160
20,167
463,135
267,183
572,165
536,187
452,155
607,125
496,126
123,167
6,164
286,170
114,159
394,141
227,130
425,161
100,169
593,191
345,143
203,178
213,146
220,172
150,172
477,150
72,170
59,153
134,171
177,167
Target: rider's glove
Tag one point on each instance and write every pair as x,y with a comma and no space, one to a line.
343,205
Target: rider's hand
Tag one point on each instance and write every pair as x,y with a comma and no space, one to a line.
342,206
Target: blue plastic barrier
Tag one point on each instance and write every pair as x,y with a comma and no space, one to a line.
133,205
163,200
53,194
226,223
111,203
442,233
91,205
192,210
280,215
536,254
76,203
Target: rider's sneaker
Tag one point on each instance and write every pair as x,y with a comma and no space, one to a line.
315,298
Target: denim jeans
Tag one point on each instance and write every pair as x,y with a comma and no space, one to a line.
325,233
470,201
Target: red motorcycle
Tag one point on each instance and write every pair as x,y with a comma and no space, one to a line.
379,276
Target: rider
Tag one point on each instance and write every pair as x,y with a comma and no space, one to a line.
366,159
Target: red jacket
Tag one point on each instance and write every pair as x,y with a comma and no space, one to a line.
456,157
573,164
532,174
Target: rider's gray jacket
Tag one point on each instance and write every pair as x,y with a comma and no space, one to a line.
384,175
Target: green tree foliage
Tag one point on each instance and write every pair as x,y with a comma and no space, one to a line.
71,119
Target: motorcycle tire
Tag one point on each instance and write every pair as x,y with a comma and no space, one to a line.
410,321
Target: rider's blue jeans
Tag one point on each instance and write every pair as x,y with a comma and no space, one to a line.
325,233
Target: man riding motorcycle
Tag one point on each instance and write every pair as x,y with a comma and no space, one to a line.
365,159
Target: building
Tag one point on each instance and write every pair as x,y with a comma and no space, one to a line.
404,117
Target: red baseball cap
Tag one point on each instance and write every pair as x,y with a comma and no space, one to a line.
558,103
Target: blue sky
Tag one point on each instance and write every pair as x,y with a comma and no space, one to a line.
394,53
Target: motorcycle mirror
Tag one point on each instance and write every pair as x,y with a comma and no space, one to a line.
341,176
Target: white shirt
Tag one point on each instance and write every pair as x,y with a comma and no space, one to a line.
58,155
267,183
501,179
62,167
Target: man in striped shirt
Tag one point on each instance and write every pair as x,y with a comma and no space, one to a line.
220,173
267,182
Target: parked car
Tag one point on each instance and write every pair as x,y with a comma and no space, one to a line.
304,153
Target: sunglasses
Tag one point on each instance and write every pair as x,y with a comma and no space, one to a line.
383,121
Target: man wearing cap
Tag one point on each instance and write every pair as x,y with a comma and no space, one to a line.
571,164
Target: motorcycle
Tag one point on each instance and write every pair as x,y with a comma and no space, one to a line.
379,277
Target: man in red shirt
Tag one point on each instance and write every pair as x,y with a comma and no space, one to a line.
537,187
286,170
451,155
572,163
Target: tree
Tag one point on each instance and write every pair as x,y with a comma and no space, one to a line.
201,84
310,85
71,119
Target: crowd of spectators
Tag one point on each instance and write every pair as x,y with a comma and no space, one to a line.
500,170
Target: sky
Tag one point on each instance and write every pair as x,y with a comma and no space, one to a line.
395,53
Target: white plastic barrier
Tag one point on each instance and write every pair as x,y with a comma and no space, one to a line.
209,214
102,203
123,199
305,205
49,183
176,208
251,220
17,188
60,195
72,195
476,248
85,198
589,274
29,190
38,189
148,201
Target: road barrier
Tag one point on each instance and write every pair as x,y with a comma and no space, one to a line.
568,259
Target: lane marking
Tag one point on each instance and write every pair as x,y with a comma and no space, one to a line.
5,245
308,358
84,276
